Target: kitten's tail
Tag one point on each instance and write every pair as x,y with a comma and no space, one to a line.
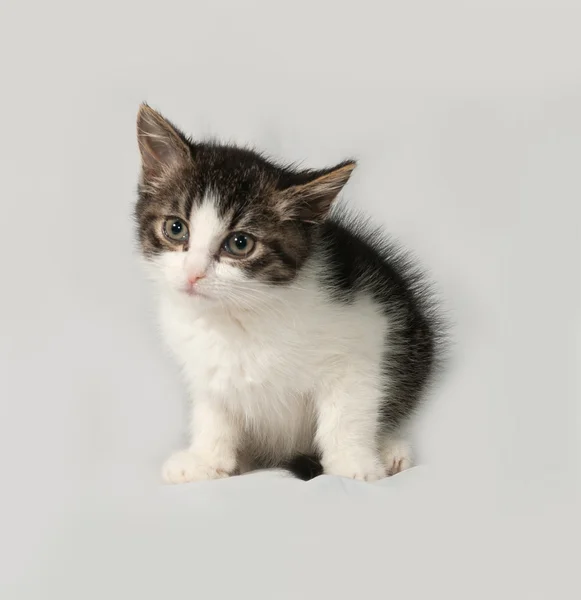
304,466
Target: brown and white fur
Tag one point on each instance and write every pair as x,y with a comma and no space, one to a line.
316,344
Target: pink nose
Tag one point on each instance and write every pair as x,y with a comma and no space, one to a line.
193,279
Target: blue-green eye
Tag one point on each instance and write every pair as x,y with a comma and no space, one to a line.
176,230
239,244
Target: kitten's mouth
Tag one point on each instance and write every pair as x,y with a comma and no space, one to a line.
194,293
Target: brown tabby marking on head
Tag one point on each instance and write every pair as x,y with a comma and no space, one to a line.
279,206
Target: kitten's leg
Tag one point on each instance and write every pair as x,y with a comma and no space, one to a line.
396,453
348,421
212,453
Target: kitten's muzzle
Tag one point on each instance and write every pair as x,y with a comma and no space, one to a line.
191,287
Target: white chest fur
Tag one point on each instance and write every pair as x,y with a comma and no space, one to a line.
267,367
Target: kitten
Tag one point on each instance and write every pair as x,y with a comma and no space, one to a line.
305,340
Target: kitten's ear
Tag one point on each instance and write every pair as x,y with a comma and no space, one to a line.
311,201
161,145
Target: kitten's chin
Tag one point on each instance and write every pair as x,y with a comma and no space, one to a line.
189,295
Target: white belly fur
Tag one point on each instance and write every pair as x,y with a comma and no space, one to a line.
267,368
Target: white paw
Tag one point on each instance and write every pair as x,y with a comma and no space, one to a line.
185,466
397,456
363,468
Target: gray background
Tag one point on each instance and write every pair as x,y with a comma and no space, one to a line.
466,119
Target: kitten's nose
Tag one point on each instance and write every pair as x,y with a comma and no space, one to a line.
193,279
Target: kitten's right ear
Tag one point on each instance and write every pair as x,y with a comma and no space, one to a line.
162,146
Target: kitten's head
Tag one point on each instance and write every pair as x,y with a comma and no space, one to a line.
219,223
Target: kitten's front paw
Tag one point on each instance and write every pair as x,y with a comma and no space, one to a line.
397,456
185,466
363,468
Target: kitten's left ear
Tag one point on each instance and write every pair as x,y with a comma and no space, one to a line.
161,145
312,201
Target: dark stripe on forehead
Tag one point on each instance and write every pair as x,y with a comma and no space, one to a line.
178,205
240,214
196,191
235,217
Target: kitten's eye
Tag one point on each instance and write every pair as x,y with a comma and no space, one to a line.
176,230
239,244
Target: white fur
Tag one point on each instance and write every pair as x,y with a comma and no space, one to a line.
208,230
274,369
396,454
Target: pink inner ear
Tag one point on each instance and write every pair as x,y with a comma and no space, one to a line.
160,144
312,201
